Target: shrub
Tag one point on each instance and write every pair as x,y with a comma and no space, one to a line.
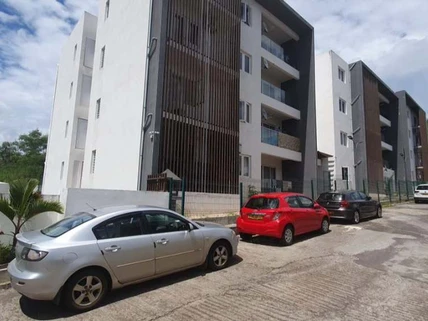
6,254
252,191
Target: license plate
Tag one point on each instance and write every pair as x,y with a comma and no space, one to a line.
256,216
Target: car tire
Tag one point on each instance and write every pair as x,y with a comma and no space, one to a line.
325,226
379,212
219,255
287,236
356,217
245,237
416,202
92,285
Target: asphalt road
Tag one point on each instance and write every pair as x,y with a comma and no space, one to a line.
376,271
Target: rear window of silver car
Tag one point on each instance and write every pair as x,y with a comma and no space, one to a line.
422,188
67,224
264,203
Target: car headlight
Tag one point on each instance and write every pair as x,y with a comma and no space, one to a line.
32,255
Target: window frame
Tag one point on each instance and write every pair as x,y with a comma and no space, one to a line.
245,111
241,171
243,63
143,228
98,108
342,106
299,198
66,129
347,173
71,89
107,10
103,56
93,160
75,52
61,174
246,13
343,139
341,75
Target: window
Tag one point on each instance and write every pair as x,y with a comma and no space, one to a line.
262,203
355,196
193,34
88,60
341,74
67,224
98,109
94,156
61,175
343,139
335,197
345,176
245,13
85,93
363,196
245,63
124,226
71,89
107,12
165,223
342,105
408,114
66,129
244,111
305,202
292,202
82,128
103,53
75,52
245,166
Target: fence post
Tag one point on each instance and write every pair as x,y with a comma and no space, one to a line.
377,189
170,182
241,195
312,188
364,186
347,185
399,192
390,191
183,196
335,185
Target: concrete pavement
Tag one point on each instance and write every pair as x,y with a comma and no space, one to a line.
377,270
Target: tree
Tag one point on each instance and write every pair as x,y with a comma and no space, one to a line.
25,203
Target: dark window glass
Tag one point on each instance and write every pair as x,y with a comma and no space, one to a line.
67,224
264,203
306,202
335,197
422,188
363,196
165,223
355,196
123,226
292,202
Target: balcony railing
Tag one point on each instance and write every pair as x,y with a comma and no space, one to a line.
273,48
274,92
276,138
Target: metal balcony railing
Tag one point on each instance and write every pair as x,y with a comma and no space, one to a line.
273,48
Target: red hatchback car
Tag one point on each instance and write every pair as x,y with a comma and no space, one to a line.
282,216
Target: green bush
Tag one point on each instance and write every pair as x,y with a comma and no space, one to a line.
252,190
6,254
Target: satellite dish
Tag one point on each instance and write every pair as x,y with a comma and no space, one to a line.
265,27
265,63
265,114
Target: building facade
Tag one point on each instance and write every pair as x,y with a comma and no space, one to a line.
67,136
412,140
217,92
375,128
334,119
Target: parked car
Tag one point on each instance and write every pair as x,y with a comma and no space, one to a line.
282,216
350,205
79,259
421,193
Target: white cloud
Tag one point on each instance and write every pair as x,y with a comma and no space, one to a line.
7,18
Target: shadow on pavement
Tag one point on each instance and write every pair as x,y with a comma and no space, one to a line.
269,241
44,310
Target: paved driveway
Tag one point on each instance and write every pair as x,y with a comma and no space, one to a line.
377,270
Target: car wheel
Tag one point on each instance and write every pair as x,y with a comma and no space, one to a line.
379,212
85,290
356,217
416,202
219,255
287,236
325,226
245,237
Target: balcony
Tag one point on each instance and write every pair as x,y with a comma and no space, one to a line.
384,121
277,98
386,146
276,138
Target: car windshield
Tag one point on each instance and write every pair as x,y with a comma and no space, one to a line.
67,224
262,203
335,197
422,188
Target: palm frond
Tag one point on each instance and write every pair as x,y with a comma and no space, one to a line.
41,206
7,209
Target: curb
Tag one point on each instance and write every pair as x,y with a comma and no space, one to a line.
5,286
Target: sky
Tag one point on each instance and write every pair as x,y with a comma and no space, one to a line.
390,36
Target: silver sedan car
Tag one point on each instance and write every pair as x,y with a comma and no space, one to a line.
79,259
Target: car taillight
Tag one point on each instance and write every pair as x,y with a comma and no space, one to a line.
344,204
32,255
276,216
416,192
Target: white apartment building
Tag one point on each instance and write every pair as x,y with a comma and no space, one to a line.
334,118
67,136
169,91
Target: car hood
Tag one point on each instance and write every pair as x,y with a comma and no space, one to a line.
210,224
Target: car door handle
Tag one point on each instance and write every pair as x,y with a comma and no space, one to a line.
113,248
162,241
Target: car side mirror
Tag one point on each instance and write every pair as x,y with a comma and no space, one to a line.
190,227
317,206
369,198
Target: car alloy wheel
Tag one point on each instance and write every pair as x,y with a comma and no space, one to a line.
356,218
218,256
325,226
379,212
87,291
288,236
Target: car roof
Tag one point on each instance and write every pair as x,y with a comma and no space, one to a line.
123,208
278,194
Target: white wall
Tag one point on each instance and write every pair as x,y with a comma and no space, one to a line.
81,199
330,120
120,84
66,108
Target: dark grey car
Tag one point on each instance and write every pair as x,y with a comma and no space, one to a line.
350,205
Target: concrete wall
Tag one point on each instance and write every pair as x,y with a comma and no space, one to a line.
75,64
199,205
77,200
116,135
